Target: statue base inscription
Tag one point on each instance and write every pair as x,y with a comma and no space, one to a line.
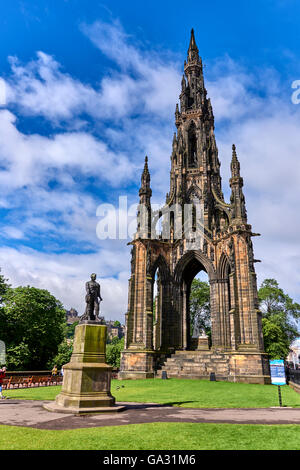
87,377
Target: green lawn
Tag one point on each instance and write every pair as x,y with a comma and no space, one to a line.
167,436
186,393
155,436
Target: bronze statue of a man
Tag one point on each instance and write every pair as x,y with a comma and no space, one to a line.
93,299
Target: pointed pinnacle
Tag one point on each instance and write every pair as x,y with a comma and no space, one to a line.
192,41
234,155
235,164
193,53
193,46
146,165
146,174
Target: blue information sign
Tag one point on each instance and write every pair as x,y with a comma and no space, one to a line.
277,372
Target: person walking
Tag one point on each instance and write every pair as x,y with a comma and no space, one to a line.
54,371
2,375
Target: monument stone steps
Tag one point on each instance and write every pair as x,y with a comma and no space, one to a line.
197,364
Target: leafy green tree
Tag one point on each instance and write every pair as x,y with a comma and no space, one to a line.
280,314
32,324
18,357
70,330
4,286
200,305
117,323
63,355
276,344
113,351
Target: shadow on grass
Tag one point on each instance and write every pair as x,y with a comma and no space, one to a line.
137,406
178,403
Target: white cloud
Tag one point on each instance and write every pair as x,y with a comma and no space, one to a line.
133,105
151,79
41,88
35,159
64,275
12,232
143,83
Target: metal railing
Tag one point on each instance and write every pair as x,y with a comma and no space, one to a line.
294,376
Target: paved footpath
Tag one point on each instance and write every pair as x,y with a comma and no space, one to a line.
30,413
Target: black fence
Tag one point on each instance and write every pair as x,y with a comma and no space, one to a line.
294,376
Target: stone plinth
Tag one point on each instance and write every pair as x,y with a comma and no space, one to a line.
200,343
137,365
87,377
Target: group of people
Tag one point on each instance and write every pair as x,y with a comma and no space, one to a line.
54,371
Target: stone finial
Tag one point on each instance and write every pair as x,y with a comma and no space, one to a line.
235,164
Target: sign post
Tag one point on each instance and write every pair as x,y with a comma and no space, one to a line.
278,375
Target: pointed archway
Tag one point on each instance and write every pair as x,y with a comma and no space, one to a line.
189,265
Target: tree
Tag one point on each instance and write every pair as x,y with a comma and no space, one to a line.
280,313
200,305
3,287
113,351
32,324
63,355
70,330
276,344
117,323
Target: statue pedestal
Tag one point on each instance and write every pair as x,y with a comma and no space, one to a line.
200,343
86,384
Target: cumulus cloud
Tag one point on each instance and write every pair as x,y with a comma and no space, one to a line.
131,113
64,275
142,83
34,159
156,77
41,88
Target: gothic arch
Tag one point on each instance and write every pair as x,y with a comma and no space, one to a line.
223,267
160,263
187,258
192,126
194,190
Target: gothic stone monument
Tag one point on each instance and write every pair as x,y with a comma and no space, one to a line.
221,245
87,377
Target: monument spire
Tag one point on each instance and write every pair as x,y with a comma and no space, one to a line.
194,230
237,198
144,212
145,189
195,165
193,52
193,93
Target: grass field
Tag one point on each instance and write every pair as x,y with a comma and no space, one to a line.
186,393
155,436
167,436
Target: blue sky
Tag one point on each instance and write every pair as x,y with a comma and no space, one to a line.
91,88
